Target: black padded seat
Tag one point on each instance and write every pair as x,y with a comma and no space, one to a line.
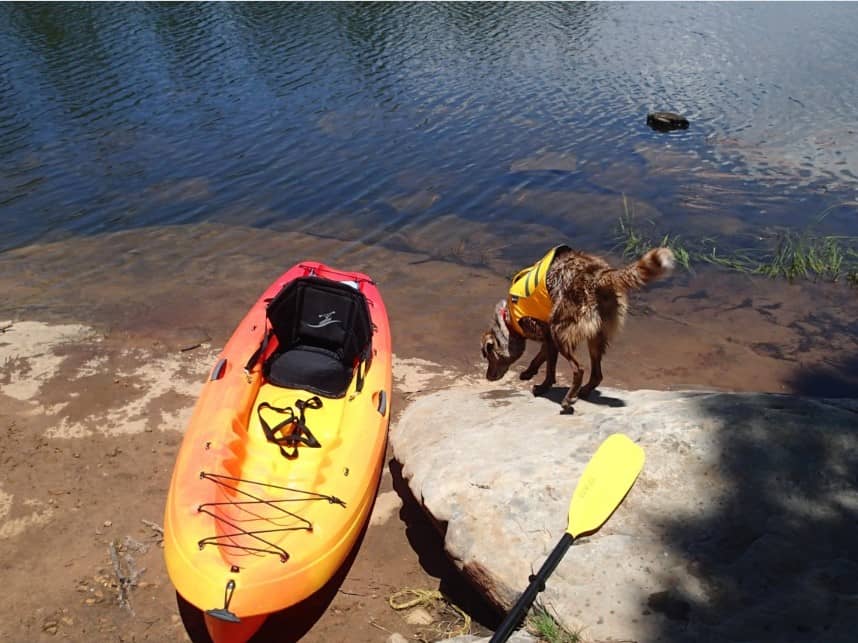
323,332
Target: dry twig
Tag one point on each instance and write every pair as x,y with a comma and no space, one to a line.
154,526
124,568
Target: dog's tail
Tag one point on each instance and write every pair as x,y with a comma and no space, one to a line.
656,263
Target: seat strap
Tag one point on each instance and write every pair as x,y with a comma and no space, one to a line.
363,367
259,352
298,431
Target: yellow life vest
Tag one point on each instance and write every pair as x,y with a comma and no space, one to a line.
528,294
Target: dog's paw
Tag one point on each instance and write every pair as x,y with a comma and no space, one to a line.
568,404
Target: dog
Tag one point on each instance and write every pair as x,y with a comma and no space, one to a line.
563,300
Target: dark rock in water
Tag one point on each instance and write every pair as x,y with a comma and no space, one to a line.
666,121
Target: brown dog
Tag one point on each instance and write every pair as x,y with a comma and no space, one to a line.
564,299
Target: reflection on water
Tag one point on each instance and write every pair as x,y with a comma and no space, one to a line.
389,116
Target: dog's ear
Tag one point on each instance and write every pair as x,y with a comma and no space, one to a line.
486,344
500,320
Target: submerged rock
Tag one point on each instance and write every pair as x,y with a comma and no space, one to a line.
740,527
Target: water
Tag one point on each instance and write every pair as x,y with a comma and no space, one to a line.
292,116
476,135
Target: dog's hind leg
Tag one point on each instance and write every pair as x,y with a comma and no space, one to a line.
577,376
566,334
548,353
597,346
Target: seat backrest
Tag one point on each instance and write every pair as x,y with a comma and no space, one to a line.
311,311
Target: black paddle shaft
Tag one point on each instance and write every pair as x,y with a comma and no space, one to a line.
537,584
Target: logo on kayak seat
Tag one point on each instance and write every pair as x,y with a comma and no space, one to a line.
327,320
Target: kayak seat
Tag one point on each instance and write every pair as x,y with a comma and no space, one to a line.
323,333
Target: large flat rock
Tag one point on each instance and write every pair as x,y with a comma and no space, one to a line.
743,525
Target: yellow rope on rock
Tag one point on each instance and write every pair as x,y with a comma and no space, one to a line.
398,601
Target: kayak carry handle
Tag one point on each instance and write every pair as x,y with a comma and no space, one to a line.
223,613
219,368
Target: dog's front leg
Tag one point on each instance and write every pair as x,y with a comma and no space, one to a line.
535,363
550,351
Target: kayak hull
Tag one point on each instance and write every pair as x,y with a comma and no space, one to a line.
251,528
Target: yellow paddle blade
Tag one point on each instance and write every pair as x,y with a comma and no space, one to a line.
606,480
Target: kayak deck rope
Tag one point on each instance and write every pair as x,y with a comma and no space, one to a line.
255,502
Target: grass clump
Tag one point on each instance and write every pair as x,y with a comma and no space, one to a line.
634,241
802,257
786,254
795,256
542,624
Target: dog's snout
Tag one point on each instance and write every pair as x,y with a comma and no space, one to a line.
495,371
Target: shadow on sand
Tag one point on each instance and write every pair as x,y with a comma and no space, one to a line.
427,540
839,378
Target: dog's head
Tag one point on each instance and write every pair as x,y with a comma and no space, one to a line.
500,346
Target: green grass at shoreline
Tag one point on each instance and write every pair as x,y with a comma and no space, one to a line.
788,254
545,626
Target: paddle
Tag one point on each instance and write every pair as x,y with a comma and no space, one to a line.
606,480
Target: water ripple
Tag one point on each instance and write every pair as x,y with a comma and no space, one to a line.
308,116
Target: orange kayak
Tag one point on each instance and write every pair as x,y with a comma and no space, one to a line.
279,467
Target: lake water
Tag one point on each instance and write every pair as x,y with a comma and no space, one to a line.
148,150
